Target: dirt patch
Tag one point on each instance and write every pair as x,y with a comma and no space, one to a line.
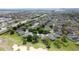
25,48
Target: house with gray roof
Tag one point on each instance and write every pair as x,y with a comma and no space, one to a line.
73,36
50,36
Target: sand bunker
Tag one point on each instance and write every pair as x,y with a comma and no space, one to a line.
25,48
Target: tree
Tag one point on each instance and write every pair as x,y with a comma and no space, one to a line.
57,44
24,29
29,38
35,32
51,26
10,30
64,32
47,42
19,25
24,40
14,28
35,38
63,38
42,25
40,30
45,31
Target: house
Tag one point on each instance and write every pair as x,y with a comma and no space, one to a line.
58,34
50,36
73,36
26,33
2,30
35,25
69,30
41,35
20,32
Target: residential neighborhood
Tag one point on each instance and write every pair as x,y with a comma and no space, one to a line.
39,29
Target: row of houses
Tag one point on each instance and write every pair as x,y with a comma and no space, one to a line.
9,22
42,36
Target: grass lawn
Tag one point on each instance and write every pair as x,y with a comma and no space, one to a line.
68,46
71,46
1,49
15,39
39,45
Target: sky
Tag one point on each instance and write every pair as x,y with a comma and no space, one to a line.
39,3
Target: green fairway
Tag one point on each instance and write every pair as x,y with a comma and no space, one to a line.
14,38
39,45
68,46
2,49
64,46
